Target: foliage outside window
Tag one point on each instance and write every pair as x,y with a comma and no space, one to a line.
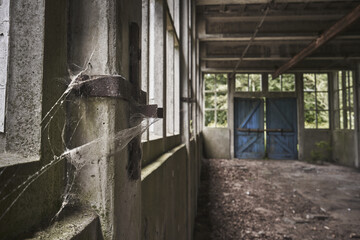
344,110
215,90
283,83
248,82
316,101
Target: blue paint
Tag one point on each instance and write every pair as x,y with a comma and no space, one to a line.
281,113
249,114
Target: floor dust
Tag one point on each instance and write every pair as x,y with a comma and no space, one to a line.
268,199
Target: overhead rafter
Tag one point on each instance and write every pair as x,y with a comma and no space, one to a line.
338,27
238,38
222,2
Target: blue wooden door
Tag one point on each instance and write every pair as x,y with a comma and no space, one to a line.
281,126
249,126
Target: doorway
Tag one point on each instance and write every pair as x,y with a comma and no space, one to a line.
256,138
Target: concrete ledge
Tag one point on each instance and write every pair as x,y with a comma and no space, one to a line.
82,225
145,172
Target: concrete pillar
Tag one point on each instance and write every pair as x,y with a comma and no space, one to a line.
99,42
184,94
300,113
357,113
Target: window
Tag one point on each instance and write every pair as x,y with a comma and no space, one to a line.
172,81
215,100
344,106
4,47
283,83
316,101
248,82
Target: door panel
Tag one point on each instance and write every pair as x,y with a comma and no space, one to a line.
281,126
249,125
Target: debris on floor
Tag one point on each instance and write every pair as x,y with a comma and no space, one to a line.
268,199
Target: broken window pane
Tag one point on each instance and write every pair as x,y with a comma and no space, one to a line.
288,82
242,81
274,84
309,82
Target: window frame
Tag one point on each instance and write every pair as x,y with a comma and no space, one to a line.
344,110
216,109
248,85
316,110
281,83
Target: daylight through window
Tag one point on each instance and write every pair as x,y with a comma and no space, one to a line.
215,90
316,101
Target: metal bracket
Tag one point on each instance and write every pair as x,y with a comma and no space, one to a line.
188,100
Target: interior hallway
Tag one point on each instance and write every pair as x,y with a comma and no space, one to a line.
268,199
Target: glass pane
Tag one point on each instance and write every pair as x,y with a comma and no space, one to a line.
341,99
309,82
221,82
309,100
209,82
288,82
221,100
339,80
321,82
322,101
274,84
221,118
255,82
310,119
341,120
352,120
351,80
351,97
241,84
323,119
209,100
348,116
210,118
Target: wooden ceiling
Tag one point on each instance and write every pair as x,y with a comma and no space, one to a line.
226,28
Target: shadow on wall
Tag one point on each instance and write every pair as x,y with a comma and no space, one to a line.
217,143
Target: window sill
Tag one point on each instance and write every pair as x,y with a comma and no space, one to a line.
11,159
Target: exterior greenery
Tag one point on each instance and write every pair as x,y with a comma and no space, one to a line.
316,101
248,82
283,83
216,95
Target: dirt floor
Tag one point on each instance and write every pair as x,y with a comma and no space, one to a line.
267,199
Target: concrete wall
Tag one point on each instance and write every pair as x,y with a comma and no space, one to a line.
166,186
216,143
309,140
343,147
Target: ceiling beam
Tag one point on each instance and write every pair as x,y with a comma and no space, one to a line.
238,38
226,2
289,18
276,58
338,27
